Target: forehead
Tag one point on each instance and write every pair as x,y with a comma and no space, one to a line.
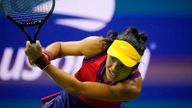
114,58
109,56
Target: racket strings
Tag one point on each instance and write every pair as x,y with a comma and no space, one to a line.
27,11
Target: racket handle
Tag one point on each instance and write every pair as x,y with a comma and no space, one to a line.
33,45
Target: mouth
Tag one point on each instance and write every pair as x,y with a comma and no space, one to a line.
112,74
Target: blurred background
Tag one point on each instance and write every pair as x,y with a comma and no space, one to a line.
167,74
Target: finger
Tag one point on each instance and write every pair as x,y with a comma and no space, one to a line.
27,47
38,44
31,62
26,52
28,44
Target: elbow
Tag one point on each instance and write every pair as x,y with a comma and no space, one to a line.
133,94
136,94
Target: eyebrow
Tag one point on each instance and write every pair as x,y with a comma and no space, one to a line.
117,60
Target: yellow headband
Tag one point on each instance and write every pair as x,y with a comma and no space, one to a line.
125,52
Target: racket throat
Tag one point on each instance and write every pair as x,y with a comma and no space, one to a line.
28,36
29,32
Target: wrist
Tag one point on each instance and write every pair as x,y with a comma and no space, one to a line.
42,62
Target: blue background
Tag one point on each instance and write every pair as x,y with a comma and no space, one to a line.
168,82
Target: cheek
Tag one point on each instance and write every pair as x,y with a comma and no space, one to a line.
124,74
108,63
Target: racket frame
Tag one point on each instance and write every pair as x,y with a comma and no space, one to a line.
23,25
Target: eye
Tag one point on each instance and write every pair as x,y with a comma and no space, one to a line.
113,58
122,65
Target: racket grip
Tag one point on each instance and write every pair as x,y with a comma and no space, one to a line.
33,45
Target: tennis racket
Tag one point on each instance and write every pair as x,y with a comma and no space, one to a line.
28,13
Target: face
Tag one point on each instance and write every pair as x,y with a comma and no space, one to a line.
116,70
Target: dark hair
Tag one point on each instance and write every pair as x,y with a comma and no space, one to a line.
131,35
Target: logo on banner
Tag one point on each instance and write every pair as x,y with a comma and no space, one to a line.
86,15
19,69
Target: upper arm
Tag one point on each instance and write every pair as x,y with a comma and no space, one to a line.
122,91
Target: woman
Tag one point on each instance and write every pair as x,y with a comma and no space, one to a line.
108,76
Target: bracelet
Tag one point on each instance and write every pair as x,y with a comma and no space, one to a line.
42,62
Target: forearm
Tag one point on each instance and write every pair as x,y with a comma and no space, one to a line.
63,79
54,49
91,89
74,86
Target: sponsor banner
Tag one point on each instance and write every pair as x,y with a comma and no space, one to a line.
18,69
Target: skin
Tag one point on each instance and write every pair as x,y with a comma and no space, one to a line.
115,71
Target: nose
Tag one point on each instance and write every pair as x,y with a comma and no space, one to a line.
115,66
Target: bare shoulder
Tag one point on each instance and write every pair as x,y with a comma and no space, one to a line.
131,88
127,85
92,45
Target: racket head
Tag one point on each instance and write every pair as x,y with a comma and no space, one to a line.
28,12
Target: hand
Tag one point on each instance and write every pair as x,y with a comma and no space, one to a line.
33,53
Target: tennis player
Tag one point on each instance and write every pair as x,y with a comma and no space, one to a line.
109,74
